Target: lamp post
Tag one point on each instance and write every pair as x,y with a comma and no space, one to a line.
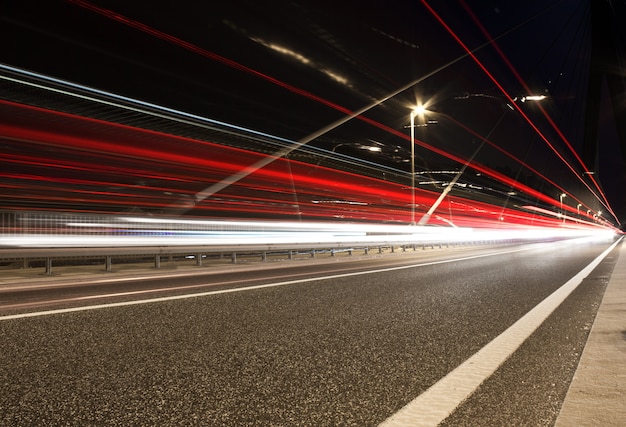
416,111
578,212
412,124
561,197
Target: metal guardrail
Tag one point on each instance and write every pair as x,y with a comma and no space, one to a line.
28,255
27,237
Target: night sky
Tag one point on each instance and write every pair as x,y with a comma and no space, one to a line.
291,67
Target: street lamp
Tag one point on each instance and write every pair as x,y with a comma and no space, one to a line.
578,212
561,197
419,110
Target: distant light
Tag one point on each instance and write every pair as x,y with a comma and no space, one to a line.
373,148
533,98
287,51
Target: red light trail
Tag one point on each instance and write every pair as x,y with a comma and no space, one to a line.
81,163
508,97
543,111
243,171
81,149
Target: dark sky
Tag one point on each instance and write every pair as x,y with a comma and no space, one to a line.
290,67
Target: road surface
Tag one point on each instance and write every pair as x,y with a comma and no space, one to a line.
310,343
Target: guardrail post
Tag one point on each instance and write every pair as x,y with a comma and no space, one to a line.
107,263
367,250
25,263
393,249
233,258
48,266
264,256
313,253
157,261
380,249
332,252
350,252
198,259
290,254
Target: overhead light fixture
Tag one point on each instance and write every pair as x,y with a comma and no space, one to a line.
419,110
530,98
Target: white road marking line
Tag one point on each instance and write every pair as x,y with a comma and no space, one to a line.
246,288
441,399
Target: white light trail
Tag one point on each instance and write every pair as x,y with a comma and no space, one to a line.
134,231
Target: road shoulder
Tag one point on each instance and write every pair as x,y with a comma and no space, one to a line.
597,395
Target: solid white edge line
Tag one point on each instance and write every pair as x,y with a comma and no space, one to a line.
246,288
441,399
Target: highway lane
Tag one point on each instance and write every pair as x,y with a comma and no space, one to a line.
348,350
66,291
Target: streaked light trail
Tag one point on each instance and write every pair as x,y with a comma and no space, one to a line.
509,98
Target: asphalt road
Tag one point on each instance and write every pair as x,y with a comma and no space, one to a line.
279,347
